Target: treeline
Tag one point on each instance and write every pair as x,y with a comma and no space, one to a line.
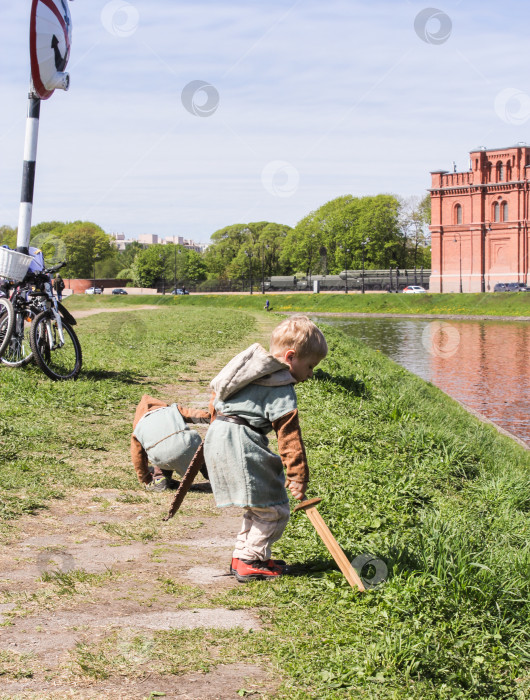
383,230
90,252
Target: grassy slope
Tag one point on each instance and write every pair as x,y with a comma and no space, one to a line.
55,435
407,475
404,472
506,304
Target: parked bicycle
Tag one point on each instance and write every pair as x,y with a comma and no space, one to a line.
41,328
7,317
17,351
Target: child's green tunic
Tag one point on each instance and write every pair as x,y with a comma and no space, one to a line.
243,470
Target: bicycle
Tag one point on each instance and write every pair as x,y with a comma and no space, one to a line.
7,320
42,329
17,351
53,342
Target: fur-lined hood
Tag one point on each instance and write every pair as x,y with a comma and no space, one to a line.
255,365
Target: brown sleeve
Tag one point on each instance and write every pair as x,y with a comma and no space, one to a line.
211,407
147,403
193,415
291,447
138,454
140,461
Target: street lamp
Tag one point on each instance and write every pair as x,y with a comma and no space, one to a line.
262,250
311,241
96,257
346,256
460,241
179,251
363,245
483,276
175,270
163,263
249,253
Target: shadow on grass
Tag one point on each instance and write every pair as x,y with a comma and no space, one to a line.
124,376
316,567
350,384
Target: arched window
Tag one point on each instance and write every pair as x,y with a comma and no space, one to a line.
504,211
500,172
496,212
457,219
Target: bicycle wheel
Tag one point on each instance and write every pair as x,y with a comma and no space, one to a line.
18,351
55,360
7,320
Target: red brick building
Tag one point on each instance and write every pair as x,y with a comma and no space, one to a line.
479,222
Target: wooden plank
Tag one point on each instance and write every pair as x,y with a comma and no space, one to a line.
334,549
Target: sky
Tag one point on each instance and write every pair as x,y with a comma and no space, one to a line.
184,117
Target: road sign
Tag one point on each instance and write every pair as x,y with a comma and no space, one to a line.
50,35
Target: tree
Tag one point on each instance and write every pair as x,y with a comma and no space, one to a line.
126,258
8,236
194,266
165,264
80,243
415,217
223,256
332,237
151,265
240,249
45,236
85,243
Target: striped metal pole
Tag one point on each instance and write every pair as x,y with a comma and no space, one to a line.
28,173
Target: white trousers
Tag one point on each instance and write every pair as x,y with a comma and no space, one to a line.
260,529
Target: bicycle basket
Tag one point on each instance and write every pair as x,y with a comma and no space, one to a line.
14,265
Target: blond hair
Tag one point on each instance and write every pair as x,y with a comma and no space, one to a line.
300,334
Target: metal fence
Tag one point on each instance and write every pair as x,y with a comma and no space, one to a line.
392,280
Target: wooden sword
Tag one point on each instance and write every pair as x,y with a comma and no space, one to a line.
309,506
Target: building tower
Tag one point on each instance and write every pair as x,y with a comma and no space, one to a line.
479,222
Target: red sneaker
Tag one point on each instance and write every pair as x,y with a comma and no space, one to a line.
276,562
254,570
270,563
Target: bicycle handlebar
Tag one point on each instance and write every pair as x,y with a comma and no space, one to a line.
55,268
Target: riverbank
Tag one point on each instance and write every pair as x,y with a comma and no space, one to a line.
404,473
505,306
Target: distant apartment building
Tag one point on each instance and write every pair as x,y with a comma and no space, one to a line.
479,222
147,239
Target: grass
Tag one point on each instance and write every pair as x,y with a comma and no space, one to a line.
72,582
16,666
404,474
409,476
505,304
176,652
55,436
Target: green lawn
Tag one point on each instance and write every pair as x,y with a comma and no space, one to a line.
55,435
407,475
505,304
404,473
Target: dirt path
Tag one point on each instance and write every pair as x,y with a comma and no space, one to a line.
89,585
91,312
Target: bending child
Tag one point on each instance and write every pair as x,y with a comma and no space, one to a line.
160,436
254,394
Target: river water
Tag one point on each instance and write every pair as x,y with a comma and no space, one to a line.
483,364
